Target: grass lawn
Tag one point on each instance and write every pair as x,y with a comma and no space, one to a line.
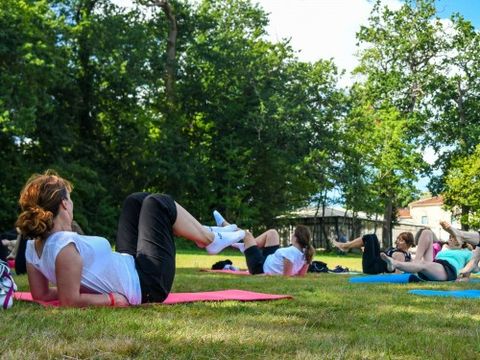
327,319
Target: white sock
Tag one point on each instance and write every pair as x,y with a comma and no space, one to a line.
223,240
240,246
228,228
218,218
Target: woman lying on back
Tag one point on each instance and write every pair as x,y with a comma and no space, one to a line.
264,255
447,265
371,261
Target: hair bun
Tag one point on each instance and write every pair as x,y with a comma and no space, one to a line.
35,222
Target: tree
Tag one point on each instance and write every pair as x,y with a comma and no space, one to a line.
454,130
398,59
463,184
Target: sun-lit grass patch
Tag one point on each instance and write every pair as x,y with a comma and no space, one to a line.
328,318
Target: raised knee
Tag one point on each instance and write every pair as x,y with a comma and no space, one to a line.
272,233
272,237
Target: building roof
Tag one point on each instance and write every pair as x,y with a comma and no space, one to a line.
432,201
309,212
404,213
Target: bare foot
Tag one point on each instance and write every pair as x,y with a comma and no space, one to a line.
389,261
463,278
452,231
338,245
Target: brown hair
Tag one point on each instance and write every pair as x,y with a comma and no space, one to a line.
302,234
40,201
408,238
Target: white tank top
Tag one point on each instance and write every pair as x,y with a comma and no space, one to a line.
104,271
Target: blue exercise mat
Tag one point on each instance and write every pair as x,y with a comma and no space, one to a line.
386,278
470,293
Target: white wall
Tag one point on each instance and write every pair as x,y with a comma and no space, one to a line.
434,214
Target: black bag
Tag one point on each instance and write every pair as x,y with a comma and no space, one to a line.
318,267
219,265
340,269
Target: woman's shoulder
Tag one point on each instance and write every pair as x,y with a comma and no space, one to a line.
62,238
291,250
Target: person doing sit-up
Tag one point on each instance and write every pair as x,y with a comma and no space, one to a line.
472,238
84,269
446,266
264,255
371,261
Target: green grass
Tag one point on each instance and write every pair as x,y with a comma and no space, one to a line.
327,319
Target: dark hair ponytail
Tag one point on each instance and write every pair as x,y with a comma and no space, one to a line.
303,236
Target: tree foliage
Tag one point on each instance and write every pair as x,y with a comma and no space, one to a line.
191,99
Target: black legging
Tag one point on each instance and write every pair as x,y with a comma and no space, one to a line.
145,231
3,252
372,263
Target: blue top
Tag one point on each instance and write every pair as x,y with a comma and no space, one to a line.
457,258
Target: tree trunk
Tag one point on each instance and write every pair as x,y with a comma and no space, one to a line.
315,222
170,66
86,115
465,210
324,231
387,224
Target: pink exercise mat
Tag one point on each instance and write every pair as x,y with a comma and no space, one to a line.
231,272
178,298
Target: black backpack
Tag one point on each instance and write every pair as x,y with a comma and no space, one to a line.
318,267
219,265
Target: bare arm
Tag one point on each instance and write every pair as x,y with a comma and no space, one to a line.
287,268
68,270
39,285
303,270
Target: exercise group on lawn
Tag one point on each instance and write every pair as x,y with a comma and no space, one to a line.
85,270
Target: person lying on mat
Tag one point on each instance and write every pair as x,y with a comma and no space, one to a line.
264,255
371,261
84,269
445,267
470,237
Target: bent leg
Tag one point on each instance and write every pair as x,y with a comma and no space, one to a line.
354,244
471,237
432,270
371,262
155,260
268,238
127,232
189,228
425,246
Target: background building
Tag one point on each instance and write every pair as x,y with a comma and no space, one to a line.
338,223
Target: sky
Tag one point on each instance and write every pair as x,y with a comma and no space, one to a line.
324,29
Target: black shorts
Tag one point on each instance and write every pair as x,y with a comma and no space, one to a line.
449,269
145,231
256,258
